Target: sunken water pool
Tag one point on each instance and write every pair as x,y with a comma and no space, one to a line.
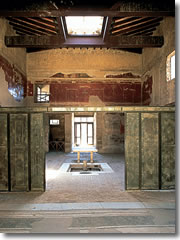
85,168
78,167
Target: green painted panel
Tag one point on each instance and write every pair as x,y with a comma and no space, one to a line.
3,153
167,150
132,150
37,152
149,151
19,152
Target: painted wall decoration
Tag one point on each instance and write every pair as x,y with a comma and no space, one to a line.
17,82
109,93
71,75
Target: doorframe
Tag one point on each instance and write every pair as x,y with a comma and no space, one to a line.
94,130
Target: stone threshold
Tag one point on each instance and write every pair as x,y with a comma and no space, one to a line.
86,206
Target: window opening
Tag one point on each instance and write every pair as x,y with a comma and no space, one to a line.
170,66
54,121
42,93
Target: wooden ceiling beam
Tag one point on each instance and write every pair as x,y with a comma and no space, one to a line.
123,19
136,41
142,29
44,21
140,24
57,41
33,41
143,32
129,31
131,22
19,26
85,12
24,32
41,24
25,23
49,19
148,34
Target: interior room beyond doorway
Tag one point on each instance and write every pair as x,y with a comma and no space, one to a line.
103,132
83,131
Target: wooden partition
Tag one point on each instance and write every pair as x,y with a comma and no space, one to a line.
149,146
132,151
3,152
22,154
150,150
19,152
167,150
37,153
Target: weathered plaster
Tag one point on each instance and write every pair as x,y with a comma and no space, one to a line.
154,64
94,62
16,82
12,70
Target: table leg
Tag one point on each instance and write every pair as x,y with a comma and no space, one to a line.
91,157
78,157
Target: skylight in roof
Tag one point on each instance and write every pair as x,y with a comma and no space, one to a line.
84,26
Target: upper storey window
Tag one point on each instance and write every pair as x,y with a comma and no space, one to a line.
42,93
170,66
84,25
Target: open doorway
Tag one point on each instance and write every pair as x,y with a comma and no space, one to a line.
56,132
83,131
103,131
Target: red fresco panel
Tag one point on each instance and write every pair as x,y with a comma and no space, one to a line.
121,93
109,92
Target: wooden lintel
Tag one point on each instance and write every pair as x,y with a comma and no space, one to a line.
85,12
135,41
43,41
57,41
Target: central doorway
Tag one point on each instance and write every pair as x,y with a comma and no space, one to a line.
101,131
83,131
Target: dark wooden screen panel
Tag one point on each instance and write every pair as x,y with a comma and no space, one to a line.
19,152
37,152
167,150
3,153
149,151
132,150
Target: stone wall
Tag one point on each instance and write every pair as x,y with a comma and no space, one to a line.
110,132
157,91
12,70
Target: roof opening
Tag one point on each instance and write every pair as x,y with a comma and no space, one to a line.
84,25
